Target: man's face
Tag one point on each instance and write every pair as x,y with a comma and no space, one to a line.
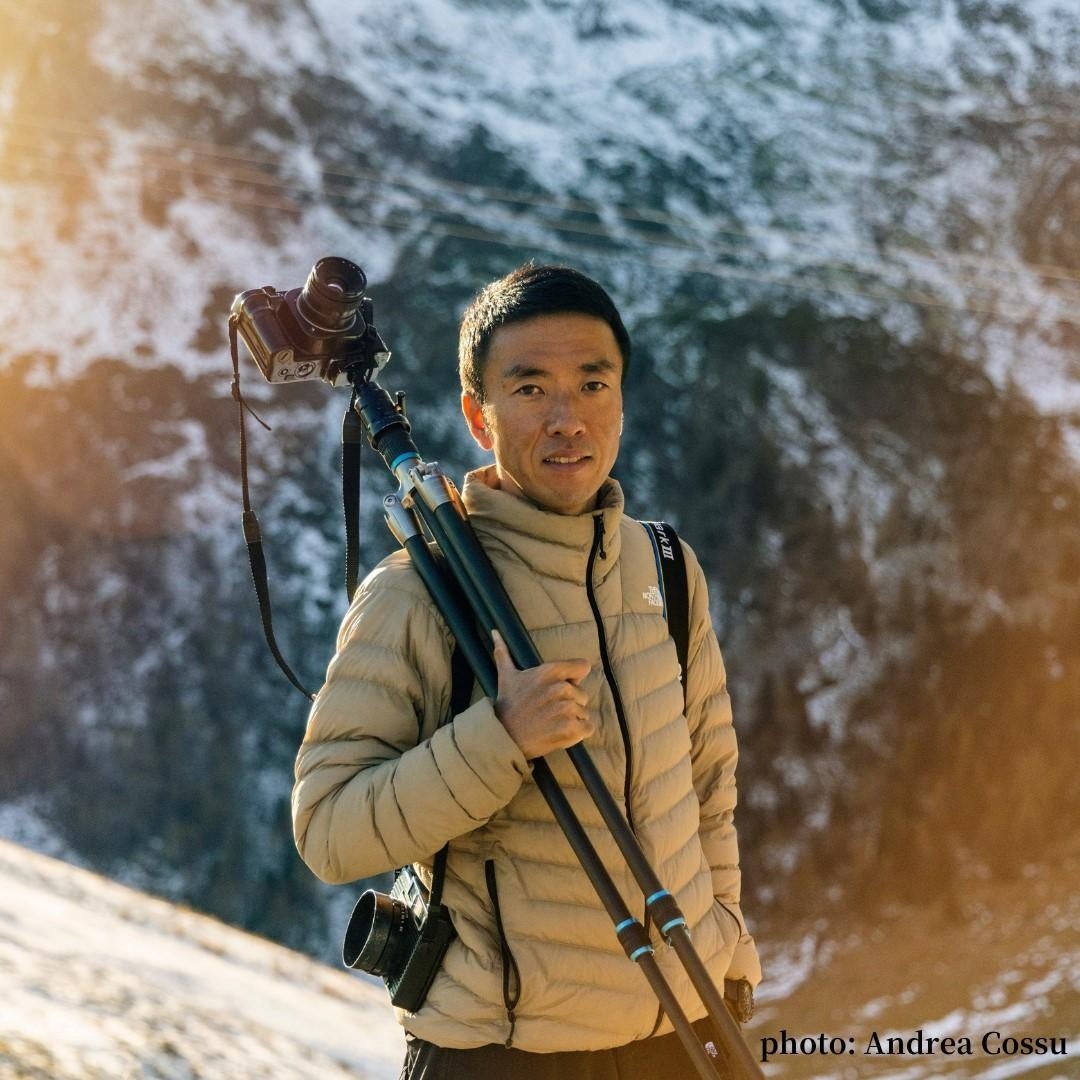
553,408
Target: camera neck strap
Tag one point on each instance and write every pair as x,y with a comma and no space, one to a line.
352,443
252,530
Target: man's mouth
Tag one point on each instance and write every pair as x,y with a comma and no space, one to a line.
565,459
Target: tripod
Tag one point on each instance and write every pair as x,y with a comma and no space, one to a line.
469,594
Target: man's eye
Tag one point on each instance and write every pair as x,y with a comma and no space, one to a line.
528,390
595,386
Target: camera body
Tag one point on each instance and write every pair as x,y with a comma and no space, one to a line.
399,938
323,330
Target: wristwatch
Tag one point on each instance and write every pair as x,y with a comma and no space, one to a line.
739,998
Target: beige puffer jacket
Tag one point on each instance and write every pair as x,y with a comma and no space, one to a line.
379,783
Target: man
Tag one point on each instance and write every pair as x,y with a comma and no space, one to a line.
535,983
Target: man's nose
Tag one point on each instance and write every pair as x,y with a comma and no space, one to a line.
565,418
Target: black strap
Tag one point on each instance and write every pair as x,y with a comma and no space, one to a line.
461,681
461,685
252,532
671,574
352,441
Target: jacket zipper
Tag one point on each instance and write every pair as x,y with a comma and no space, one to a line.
510,1000
598,545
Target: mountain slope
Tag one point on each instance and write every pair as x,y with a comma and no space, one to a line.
101,981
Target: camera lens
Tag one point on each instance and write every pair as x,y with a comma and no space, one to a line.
374,933
332,294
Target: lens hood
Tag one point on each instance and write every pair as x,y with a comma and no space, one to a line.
374,929
332,294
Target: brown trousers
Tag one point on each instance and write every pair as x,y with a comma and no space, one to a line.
659,1058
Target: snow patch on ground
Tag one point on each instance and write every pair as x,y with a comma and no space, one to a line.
787,970
103,981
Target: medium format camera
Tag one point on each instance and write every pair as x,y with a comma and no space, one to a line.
323,330
399,939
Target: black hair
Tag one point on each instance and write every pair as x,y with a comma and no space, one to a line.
522,294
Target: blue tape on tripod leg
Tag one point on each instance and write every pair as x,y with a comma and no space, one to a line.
624,924
680,921
656,896
403,457
638,952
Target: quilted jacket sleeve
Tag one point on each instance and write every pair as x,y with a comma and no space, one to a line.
714,752
378,783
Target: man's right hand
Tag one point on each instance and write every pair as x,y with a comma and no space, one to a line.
543,708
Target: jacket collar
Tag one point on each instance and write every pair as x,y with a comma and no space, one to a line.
554,545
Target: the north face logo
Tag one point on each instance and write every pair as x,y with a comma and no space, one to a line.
653,595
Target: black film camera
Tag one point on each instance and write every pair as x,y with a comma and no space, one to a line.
398,938
319,331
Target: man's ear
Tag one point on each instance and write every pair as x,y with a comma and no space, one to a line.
474,417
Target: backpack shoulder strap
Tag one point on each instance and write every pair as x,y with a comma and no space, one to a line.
674,587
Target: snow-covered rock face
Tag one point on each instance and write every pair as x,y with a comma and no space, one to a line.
843,235
870,155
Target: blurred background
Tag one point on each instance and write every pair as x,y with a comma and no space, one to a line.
845,237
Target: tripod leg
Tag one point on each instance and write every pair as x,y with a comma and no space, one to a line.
667,915
630,932
730,1039
691,1043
